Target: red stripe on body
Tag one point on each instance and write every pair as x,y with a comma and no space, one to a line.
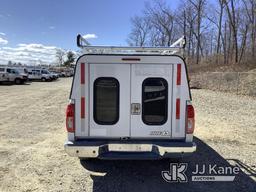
82,107
178,74
177,108
82,73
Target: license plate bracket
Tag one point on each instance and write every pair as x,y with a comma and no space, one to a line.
129,148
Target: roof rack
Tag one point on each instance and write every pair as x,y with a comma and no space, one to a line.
176,48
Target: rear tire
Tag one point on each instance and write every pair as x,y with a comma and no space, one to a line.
17,81
43,79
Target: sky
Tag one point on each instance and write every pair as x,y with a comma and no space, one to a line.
32,30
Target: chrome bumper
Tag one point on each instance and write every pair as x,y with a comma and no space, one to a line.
128,150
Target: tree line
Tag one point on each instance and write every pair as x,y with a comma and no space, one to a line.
220,31
70,58
60,57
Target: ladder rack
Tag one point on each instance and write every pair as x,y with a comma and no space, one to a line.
176,48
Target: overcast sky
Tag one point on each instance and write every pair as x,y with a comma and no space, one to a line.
32,30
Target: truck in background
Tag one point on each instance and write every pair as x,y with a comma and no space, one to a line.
13,75
40,74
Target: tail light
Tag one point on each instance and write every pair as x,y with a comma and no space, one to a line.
70,118
190,119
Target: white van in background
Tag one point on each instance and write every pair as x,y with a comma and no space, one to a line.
10,74
130,103
23,71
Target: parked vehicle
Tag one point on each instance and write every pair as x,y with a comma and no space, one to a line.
70,73
23,71
58,74
9,74
54,76
63,74
67,73
134,104
62,71
40,74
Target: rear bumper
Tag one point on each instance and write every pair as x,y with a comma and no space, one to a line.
128,149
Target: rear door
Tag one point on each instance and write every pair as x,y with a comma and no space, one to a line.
3,75
109,100
151,98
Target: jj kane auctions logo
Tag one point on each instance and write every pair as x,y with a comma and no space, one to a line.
177,173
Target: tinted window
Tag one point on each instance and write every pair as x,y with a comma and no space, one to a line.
1,69
106,100
154,101
44,72
15,71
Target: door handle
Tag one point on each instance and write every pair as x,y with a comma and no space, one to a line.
135,109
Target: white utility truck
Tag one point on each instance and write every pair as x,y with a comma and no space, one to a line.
39,74
11,74
130,103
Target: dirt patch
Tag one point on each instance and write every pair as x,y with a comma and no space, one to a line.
32,134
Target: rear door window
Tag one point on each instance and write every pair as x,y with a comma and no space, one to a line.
106,101
154,101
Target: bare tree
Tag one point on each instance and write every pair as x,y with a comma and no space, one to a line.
243,43
225,44
186,21
191,17
217,19
162,23
140,30
250,10
232,15
199,8
221,8
60,56
214,31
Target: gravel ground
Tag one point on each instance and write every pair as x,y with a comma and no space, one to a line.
32,135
